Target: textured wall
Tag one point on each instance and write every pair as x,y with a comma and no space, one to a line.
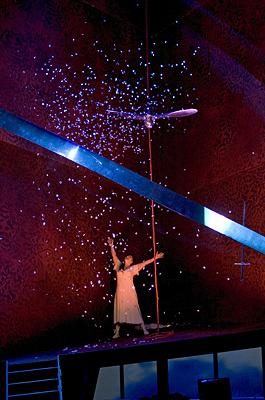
63,65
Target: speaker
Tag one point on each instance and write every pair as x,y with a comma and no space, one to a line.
214,389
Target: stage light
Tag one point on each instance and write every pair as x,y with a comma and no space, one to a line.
216,221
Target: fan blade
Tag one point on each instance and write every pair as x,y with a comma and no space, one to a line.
125,114
181,113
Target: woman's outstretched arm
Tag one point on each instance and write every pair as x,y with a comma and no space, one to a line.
116,261
140,266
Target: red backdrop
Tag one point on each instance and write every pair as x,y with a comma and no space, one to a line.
63,65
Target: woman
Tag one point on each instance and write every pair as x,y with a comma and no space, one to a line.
126,307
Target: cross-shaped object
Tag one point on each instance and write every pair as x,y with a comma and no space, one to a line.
242,263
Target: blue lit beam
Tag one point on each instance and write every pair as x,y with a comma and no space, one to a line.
132,181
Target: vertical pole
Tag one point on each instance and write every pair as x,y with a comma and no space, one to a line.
122,389
215,366
242,246
263,368
154,234
6,380
162,379
59,375
151,166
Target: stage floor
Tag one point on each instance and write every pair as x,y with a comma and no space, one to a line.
169,343
80,365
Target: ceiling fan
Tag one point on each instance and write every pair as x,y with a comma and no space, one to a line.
150,119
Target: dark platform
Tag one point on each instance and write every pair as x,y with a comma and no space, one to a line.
169,344
80,365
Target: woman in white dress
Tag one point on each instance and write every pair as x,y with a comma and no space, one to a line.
126,306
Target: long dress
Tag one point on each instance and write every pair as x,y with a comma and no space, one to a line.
126,306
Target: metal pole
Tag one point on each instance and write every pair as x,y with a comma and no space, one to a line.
122,389
215,366
151,166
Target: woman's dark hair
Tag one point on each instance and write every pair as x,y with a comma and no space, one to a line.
122,266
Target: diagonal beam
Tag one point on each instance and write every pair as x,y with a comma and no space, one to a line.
132,181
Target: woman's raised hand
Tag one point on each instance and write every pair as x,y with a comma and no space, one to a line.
110,242
159,255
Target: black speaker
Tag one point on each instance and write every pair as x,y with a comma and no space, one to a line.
214,389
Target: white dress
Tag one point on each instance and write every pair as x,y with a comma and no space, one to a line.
126,307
